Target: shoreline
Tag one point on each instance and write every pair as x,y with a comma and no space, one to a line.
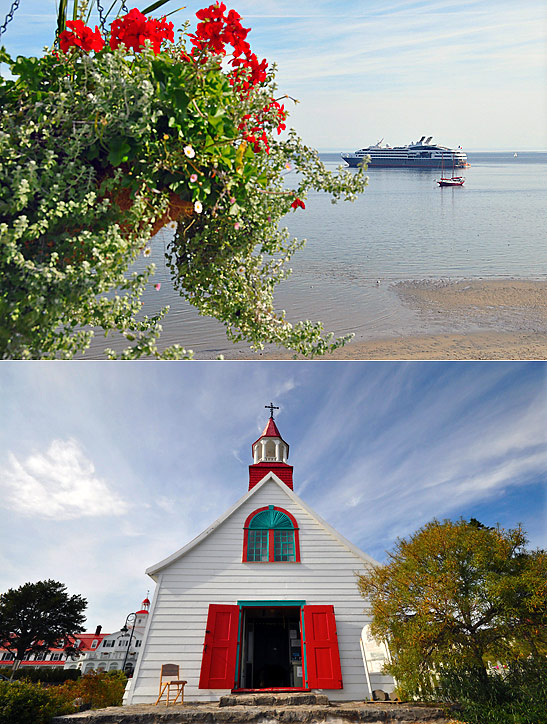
471,346
469,319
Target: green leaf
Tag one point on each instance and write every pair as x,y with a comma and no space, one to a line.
174,11
154,6
180,98
178,186
61,16
118,151
5,57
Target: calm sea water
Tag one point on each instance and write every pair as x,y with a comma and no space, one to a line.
404,227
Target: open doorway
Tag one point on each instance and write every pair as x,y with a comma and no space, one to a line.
271,650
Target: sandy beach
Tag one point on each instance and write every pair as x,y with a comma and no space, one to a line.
507,319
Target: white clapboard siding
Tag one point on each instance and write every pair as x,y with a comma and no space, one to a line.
210,570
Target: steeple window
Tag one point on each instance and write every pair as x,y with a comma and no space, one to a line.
270,536
270,451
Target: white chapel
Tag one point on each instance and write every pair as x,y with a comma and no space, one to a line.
265,599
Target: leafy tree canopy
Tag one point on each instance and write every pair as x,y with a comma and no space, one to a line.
458,593
38,616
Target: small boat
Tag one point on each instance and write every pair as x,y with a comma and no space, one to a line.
450,180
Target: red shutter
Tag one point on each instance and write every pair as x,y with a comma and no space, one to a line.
321,642
218,664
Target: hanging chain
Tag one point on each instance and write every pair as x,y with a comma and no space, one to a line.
102,19
15,6
9,16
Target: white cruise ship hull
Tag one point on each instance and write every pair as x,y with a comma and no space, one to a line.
415,155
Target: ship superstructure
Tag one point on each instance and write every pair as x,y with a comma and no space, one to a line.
422,154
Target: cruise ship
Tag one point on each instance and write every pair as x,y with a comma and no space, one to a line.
422,154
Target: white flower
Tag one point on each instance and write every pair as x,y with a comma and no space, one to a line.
198,208
189,151
147,251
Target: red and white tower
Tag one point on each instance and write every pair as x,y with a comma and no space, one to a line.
270,453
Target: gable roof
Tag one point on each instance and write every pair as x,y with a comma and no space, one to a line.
270,476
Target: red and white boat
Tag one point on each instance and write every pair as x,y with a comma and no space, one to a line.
450,180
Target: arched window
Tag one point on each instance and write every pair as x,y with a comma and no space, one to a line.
271,535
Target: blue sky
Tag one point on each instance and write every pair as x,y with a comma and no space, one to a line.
469,72
106,469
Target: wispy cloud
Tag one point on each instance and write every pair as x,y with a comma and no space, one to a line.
59,484
439,458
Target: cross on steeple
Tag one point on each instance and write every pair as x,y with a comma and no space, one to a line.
271,407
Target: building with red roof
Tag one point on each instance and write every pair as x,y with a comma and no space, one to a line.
96,651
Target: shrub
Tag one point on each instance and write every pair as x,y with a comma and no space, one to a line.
24,703
516,695
97,690
55,675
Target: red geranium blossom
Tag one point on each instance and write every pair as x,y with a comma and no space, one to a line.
80,36
135,28
215,31
298,202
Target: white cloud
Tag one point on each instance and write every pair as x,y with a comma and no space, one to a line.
60,483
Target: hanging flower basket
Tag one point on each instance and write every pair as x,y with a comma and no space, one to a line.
114,134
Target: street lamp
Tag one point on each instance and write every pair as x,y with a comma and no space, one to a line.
131,617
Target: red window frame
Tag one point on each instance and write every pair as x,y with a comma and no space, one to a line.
271,552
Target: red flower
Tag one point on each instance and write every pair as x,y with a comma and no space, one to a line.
80,36
135,28
215,31
298,202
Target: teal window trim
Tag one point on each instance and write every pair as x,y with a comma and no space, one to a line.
271,518
258,546
271,535
284,546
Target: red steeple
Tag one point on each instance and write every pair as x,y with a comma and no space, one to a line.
145,606
270,453
271,429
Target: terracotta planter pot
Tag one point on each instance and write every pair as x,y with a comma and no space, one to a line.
177,209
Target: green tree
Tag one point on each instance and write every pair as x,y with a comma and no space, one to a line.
38,616
458,594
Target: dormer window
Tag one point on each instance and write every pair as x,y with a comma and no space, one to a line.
270,535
